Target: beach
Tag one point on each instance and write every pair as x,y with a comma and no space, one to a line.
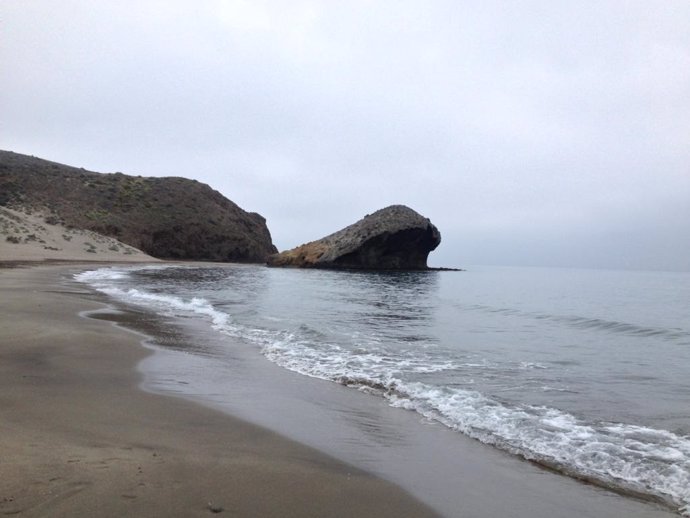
95,422
78,437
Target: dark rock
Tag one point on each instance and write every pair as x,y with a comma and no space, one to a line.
215,508
168,218
394,238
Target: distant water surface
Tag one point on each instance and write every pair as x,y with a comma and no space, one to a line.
584,371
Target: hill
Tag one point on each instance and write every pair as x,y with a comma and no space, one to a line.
167,218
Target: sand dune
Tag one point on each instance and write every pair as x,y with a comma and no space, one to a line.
27,235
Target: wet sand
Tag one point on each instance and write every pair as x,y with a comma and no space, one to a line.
79,438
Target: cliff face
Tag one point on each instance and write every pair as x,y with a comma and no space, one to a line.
394,238
168,218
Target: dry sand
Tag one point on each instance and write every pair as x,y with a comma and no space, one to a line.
27,235
79,438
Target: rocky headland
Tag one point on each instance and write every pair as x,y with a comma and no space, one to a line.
167,218
393,238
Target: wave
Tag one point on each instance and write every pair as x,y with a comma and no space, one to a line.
594,324
98,277
628,458
167,304
617,456
622,457
105,277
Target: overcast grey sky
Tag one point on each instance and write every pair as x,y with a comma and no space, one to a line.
530,132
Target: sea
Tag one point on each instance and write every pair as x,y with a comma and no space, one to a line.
585,373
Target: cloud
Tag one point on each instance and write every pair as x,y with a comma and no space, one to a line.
506,123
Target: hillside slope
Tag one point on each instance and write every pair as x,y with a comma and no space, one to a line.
168,218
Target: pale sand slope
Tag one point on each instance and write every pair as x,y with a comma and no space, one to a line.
25,235
78,437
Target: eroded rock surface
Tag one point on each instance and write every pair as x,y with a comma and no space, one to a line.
393,238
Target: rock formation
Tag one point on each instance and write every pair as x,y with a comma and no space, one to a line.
168,218
394,238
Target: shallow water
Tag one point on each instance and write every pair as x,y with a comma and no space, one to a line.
586,372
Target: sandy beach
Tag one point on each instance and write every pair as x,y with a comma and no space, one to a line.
79,438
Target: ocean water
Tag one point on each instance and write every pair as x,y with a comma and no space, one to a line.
585,372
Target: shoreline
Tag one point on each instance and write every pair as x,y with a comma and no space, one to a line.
420,466
456,475
80,436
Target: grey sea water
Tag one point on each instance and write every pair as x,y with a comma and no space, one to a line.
586,372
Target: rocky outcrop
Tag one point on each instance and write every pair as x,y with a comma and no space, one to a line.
394,238
168,218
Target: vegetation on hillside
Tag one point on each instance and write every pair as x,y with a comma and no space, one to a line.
168,218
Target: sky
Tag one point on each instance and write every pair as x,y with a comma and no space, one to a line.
531,133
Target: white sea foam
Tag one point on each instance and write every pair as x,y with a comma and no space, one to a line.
171,305
628,457
102,280
105,277
101,276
